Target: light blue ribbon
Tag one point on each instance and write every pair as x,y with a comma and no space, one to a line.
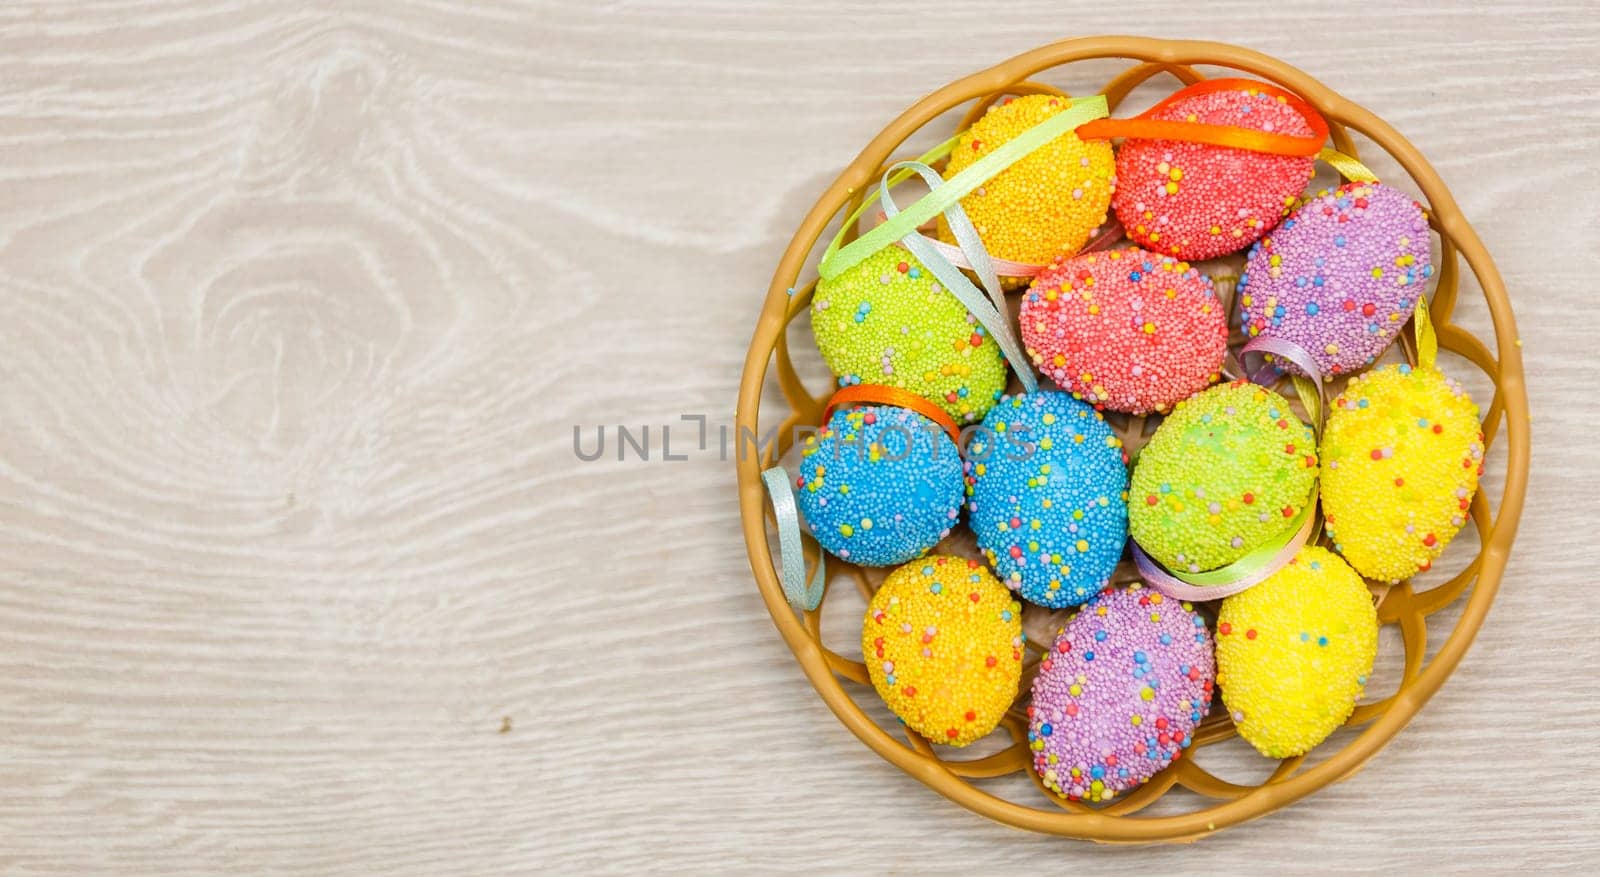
792,560
991,312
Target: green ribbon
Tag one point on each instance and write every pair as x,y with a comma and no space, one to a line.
991,312
837,260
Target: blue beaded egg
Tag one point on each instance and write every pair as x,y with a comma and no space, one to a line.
879,485
1047,482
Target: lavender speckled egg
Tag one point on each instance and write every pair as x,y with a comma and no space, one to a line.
1119,693
1340,277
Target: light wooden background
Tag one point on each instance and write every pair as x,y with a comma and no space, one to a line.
299,303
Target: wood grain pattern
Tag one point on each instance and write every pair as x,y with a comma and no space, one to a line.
300,302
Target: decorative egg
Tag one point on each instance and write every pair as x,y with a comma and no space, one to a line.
1047,481
1340,277
888,321
1401,455
1127,330
1294,653
879,485
1047,203
1119,693
1226,472
1197,201
942,641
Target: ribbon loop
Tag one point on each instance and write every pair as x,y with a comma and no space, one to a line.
1347,166
867,394
993,313
1310,388
837,261
801,594
1144,127
1427,339
829,254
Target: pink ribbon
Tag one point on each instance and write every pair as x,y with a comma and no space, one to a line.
1178,589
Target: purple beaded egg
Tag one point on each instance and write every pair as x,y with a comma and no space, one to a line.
1340,277
1119,694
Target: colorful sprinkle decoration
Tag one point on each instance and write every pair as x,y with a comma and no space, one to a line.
1294,653
1226,472
1119,693
1126,330
943,641
1047,485
1045,205
1340,277
879,485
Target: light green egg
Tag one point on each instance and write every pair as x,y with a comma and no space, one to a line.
889,321
1228,471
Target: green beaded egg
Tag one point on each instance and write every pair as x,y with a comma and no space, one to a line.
1226,472
889,321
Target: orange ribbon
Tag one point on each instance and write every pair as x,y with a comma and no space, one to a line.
877,394
1142,127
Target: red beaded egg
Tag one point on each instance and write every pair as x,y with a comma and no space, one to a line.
1198,201
1127,330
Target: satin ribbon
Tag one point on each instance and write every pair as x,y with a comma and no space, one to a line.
1256,566
1244,573
829,253
991,313
1347,166
1144,127
791,559
1008,268
836,261
870,394
1427,339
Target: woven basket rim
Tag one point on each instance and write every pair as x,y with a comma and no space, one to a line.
1170,56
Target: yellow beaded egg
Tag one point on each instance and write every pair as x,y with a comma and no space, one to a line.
942,641
1401,456
888,321
1294,653
1047,203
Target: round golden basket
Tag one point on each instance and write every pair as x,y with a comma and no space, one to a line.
1218,803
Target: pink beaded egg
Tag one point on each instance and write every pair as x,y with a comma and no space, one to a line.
1198,201
1127,330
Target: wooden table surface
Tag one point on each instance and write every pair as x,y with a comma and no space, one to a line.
300,303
